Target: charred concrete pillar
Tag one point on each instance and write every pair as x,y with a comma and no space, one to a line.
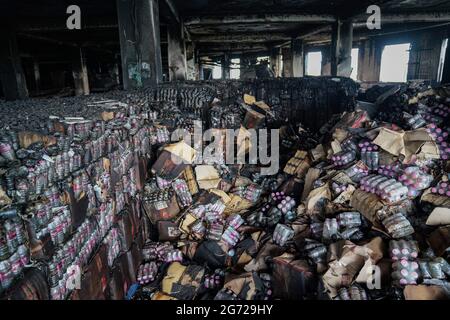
192,67
326,61
287,62
226,63
341,48
140,45
12,76
37,75
80,74
275,61
176,52
298,58
369,61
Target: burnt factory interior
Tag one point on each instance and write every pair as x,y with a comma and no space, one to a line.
353,97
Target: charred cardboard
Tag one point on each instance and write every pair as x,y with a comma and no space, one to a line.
125,226
299,164
168,231
95,278
115,284
349,263
134,258
247,286
78,208
407,144
293,279
259,263
439,240
182,282
435,199
423,292
170,211
207,177
253,119
166,168
173,160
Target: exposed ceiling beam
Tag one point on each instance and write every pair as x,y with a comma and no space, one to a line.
408,17
231,47
362,33
49,40
259,18
240,37
306,33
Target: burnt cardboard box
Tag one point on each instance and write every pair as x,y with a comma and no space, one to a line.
146,228
167,212
166,168
293,279
139,240
125,226
95,277
127,279
253,119
115,284
168,231
42,248
141,172
439,240
135,216
134,258
78,208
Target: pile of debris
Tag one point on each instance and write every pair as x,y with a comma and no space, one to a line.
360,209
364,214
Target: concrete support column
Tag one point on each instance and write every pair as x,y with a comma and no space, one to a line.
369,61
298,58
201,75
326,61
80,74
275,61
341,48
12,77
192,70
287,62
176,52
140,45
226,62
37,75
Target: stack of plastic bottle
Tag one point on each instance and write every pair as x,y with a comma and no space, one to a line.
349,145
343,158
214,280
369,154
405,266
416,121
440,136
174,255
387,189
442,189
279,206
437,268
282,234
355,292
390,170
397,225
231,236
415,179
147,272
338,188
357,171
